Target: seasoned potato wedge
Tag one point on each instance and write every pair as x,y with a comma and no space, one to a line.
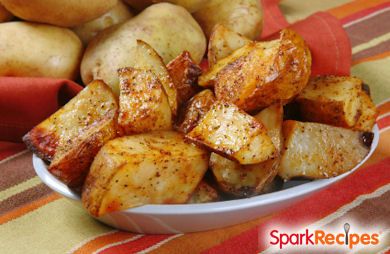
148,59
248,180
331,100
315,150
184,73
71,137
229,131
194,110
223,42
368,115
208,78
143,104
152,168
204,193
273,71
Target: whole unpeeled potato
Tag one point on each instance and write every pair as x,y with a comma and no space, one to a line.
190,5
4,14
168,28
65,13
119,14
242,16
37,50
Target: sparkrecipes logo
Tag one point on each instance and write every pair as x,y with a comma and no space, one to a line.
344,237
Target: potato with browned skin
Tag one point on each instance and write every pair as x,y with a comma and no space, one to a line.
204,193
71,137
316,151
153,168
230,132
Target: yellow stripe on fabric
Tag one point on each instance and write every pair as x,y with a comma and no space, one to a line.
54,228
371,43
19,188
298,9
377,75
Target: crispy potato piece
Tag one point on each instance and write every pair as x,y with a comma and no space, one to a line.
208,79
143,104
204,193
148,59
194,110
368,115
72,136
153,168
273,71
248,180
316,151
184,73
229,131
331,100
223,42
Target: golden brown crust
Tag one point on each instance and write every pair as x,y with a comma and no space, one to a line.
42,143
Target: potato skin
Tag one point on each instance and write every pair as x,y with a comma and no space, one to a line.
368,115
4,14
190,5
41,51
117,15
66,13
143,103
167,28
316,151
273,71
242,16
204,193
153,168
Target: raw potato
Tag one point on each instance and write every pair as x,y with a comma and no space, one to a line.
273,71
153,168
224,42
40,51
368,115
167,28
4,14
194,110
71,137
190,5
249,180
184,73
65,13
117,15
204,193
315,151
143,103
229,131
331,100
242,16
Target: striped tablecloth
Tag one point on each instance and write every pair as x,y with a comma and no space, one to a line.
33,219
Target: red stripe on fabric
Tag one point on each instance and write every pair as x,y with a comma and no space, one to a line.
363,13
317,206
9,148
383,122
136,245
273,18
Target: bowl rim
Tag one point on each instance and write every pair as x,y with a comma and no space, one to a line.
53,183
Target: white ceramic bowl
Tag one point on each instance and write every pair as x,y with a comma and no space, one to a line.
167,219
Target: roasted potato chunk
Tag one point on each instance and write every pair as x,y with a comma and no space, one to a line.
331,100
224,42
204,193
229,131
148,59
194,110
143,104
184,73
208,78
153,168
368,113
249,180
316,151
71,137
273,71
